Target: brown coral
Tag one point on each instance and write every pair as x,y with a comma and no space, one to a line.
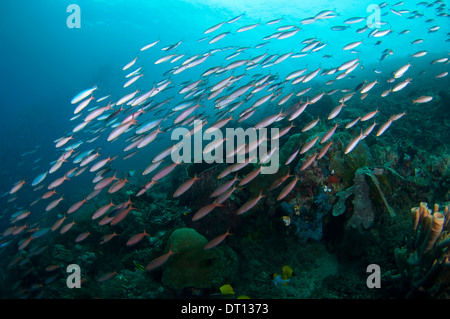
425,267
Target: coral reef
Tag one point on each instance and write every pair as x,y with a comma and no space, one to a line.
423,265
345,166
309,226
363,213
339,207
293,143
307,216
363,210
202,188
192,266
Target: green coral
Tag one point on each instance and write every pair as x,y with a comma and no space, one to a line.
60,253
362,202
369,172
193,266
339,208
345,166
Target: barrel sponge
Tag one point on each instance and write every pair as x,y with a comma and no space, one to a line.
195,267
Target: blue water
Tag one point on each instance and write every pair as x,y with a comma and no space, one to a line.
45,64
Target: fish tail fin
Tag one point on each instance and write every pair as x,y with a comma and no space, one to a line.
171,250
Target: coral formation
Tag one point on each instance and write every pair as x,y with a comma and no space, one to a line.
339,207
292,144
424,264
345,167
310,223
192,266
363,213
307,218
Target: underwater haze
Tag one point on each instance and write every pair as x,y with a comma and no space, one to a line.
344,188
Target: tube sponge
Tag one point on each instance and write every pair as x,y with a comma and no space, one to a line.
437,223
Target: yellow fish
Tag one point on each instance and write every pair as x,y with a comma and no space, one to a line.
286,220
138,265
284,278
227,290
287,272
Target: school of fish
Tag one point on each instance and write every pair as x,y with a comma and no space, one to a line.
231,94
